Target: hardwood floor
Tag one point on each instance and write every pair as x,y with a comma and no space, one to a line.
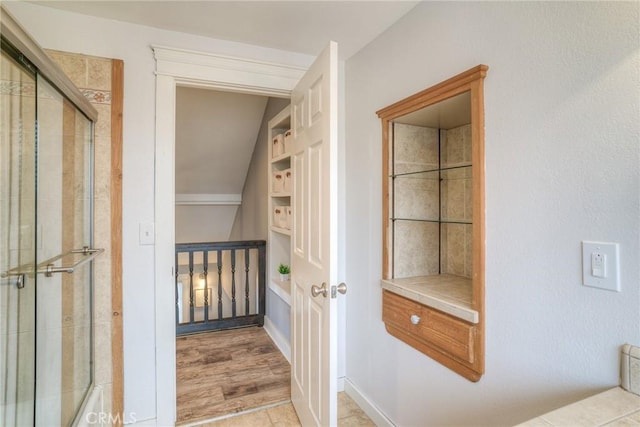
220,373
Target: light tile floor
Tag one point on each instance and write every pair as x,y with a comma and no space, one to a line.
349,415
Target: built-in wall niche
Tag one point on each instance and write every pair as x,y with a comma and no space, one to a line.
432,187
433,231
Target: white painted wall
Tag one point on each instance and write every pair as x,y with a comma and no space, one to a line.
216,132
252,219
562,99
204,223
54,29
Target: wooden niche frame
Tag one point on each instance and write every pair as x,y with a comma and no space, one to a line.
450,340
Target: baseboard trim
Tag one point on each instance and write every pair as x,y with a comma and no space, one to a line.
281,342
369,408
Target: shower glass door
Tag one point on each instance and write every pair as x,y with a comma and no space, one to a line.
17,242
63,300
46,184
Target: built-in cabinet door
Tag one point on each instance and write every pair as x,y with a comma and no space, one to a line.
314,243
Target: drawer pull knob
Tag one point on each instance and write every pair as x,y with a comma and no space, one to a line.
415,319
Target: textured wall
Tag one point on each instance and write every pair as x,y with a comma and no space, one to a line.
562,98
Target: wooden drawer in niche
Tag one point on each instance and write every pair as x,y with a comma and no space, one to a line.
442,331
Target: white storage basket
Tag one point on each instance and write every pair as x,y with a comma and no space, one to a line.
289,213
278,182
278,146
279,216
288,141
286,178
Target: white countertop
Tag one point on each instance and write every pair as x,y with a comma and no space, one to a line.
614,407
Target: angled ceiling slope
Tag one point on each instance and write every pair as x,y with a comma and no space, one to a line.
216,133
297,26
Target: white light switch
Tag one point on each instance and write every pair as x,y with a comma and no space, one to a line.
147,233
600,265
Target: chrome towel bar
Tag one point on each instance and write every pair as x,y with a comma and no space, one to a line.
49,269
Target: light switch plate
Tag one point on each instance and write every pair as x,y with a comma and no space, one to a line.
147,233
600,265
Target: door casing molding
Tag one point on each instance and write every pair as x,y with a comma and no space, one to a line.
179,67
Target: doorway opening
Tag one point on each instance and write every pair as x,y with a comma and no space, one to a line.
220,230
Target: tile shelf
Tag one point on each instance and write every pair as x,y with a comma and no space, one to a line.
445,292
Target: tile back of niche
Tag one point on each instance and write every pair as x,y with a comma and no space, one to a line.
468,250
455,146
416,196
453,248
415,238
415,148
454,197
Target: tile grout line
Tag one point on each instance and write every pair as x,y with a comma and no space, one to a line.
618,418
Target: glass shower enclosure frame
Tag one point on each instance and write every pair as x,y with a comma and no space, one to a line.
46,237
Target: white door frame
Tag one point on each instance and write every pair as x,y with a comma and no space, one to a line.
178,67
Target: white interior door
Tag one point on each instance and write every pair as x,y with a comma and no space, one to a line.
314,104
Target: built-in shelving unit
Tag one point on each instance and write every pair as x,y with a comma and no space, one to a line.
280,214
431,208
433,231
